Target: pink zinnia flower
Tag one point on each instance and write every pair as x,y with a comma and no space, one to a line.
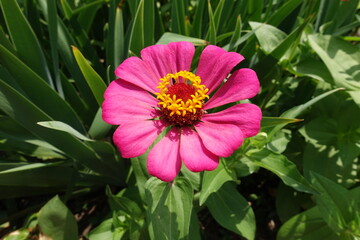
159,91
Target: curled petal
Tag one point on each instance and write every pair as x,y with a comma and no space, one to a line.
137,72
220,139
132,142
215,64
246,116
126,109
194,154
242,84
163,160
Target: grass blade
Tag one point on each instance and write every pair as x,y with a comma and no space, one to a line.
27,45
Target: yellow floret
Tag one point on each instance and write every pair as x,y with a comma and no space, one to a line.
178,106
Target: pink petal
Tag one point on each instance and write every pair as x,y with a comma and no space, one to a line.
119,109
163,160
215,64
194,154
134,138
157,57
242,84
182,54
122,88
135,71
220,139
246,116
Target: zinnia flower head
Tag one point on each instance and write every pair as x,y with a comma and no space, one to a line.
158,92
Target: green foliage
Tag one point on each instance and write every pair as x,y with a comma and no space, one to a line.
56,60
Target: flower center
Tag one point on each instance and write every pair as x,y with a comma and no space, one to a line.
181,97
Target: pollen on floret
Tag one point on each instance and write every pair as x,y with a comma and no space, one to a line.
181,96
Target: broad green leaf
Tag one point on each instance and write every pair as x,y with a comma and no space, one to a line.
337,207
169,208
287,45
313,68
214,180
44,96
124,204
136,40
231,210
95,82
104,231
24,39
297,110
60,126
307,225
279,141
57,222
341,58
169,37
268,36
282,167
333,146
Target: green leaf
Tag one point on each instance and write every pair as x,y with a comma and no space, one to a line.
24,39
231,210
313,68
99,128
178,17
60,126
282,12
57,222
341,58
36,174
273,121
211,34
104,231
124,204
52,26
95,82
173,37
149,22
115,41
297,110
214,180
307,225
282,167
236,35
27,114
337,207
44,96
268,36
136,40
169,208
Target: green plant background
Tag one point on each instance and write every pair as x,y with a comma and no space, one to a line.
61,176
